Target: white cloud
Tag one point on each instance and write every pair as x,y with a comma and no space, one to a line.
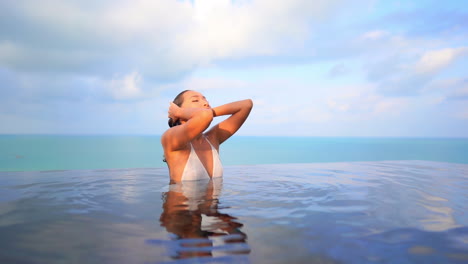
334,105
434,61
391,106
363,102
313,114
222,28
404,66
116,54
273,114
126,87
375,35
161,38
204,84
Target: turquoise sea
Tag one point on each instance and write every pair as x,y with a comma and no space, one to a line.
73,152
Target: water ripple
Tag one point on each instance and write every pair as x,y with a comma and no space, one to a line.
359,212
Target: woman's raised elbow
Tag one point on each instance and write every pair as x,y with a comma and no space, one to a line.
249,103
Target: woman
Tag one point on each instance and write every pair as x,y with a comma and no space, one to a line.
190,152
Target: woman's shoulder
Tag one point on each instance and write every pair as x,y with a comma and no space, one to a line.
165,136
169,138
171,132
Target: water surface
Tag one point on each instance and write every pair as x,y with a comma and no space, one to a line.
350,212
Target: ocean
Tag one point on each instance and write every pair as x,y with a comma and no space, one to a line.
107,199
73,152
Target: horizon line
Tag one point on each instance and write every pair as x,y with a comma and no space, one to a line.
285,136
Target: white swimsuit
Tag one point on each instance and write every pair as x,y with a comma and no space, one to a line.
194,169
197,192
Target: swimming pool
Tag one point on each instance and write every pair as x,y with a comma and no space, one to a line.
353,212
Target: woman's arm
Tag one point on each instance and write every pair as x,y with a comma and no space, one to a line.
198,119
239,112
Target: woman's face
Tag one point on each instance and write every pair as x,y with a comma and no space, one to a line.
193,99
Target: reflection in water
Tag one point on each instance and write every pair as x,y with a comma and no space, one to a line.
372,212
190,212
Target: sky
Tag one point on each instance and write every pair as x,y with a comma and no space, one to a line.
312,68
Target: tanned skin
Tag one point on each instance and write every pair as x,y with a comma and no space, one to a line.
195,115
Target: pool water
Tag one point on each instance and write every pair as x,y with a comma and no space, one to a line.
353,212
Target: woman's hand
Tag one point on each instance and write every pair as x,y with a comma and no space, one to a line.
193,122
173,111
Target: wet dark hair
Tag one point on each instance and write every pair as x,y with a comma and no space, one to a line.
178,100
